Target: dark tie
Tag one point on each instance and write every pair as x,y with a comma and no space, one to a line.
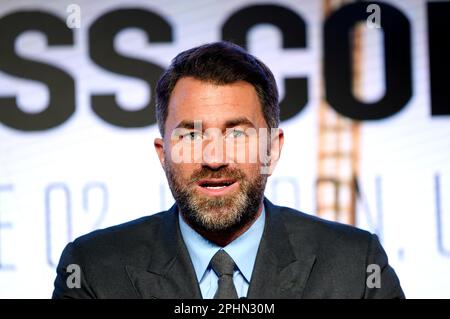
224,266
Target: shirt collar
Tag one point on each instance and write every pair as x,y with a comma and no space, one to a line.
243,249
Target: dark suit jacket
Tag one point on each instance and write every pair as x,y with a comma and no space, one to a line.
300,256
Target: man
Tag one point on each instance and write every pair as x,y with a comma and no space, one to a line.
218,114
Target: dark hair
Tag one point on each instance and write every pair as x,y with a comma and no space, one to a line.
219,63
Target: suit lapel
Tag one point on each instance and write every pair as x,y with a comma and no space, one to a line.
170,273
278,271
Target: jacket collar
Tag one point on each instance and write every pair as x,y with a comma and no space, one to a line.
280,271
170,273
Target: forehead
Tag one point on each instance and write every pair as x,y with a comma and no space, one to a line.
213,104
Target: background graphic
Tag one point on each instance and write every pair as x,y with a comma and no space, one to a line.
365,110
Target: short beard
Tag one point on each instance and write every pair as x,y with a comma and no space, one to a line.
225,214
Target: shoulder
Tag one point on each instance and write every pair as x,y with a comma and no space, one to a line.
324,235
130,238
128,230
342,256
296,219
102,255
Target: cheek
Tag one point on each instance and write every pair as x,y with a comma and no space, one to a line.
250,151
251,170
183,151
183,171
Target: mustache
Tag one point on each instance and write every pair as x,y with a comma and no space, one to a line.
224,172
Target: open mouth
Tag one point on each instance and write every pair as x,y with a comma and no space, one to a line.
217,186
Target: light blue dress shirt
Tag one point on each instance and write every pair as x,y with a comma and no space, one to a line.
243,250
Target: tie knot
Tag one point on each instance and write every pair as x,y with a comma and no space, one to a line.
222,263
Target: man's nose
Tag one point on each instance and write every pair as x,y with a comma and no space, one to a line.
214,155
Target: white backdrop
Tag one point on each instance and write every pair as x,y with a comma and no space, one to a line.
85,174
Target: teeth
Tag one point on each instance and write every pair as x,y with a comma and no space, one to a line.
214,187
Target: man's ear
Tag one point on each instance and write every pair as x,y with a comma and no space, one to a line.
276,144
159,147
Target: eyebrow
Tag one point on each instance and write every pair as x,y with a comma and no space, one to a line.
188,124
239,121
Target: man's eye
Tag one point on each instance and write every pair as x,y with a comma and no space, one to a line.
193,136
237,133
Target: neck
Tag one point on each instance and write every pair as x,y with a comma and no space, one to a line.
222,239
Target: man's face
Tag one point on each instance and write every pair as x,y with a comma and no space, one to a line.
211,153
